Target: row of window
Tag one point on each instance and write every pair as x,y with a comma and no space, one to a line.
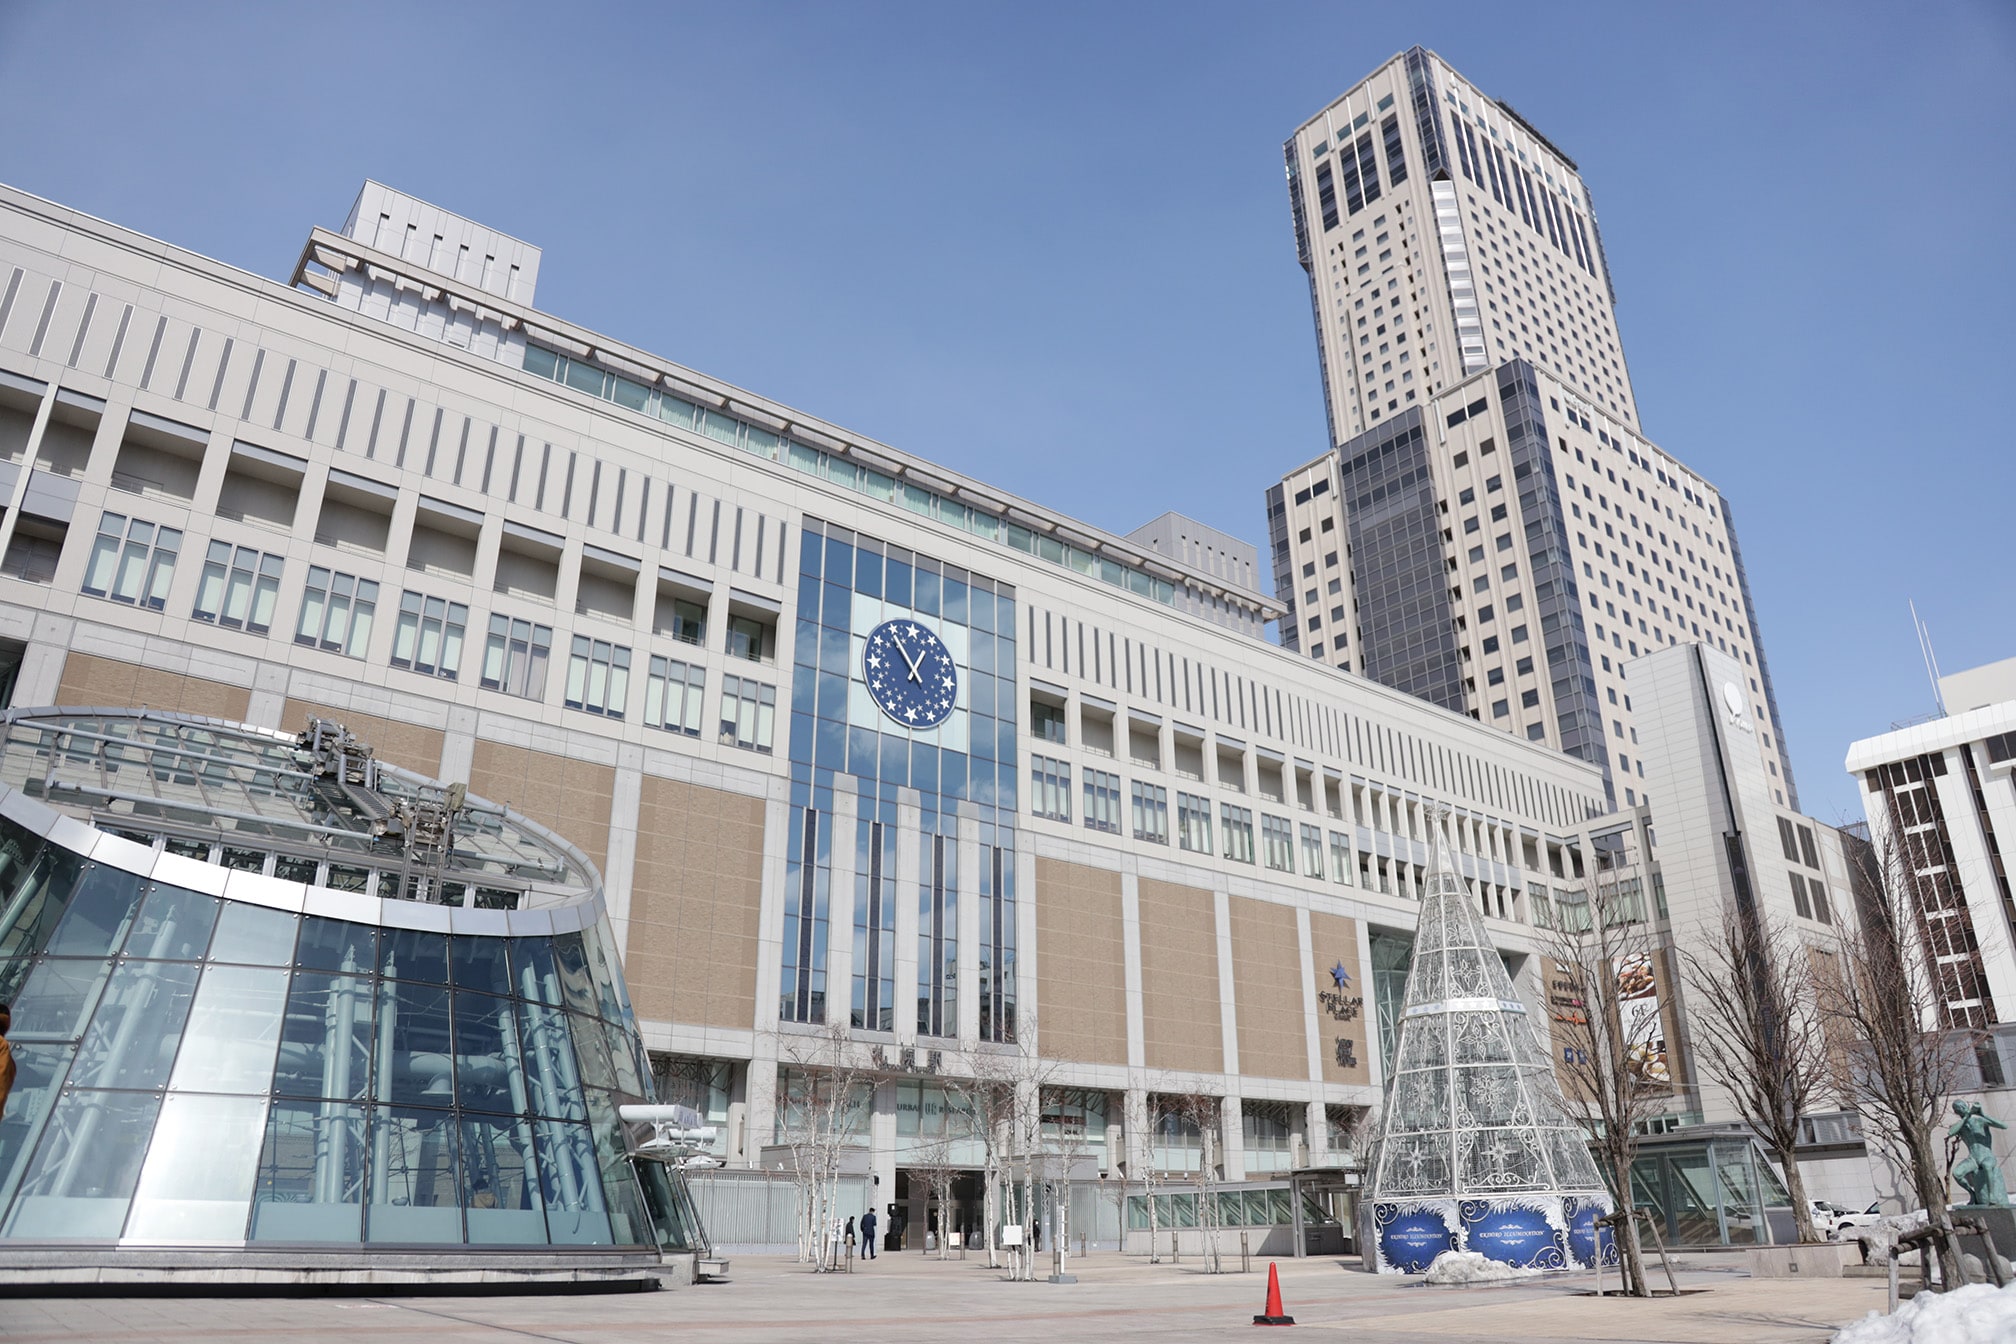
133,561
1050,781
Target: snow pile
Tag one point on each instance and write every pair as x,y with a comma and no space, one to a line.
1976,1314
1464,1268
1880,1237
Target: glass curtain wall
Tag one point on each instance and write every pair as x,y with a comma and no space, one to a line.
202,1070
964,768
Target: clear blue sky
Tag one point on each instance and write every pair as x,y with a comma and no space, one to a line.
1049,245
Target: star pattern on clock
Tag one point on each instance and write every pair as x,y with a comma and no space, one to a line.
910,673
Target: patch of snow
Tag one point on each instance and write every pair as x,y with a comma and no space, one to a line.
1472,1267
1976,1314
1881,1236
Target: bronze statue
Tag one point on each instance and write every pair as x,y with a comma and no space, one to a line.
1978,1172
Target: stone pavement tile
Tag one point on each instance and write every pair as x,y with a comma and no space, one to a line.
911,1298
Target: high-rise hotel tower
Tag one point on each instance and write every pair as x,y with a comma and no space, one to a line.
1492,532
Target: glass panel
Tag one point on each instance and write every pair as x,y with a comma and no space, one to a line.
538,973
591,1049
414,1060
489,1075
480,963
101,906
413,1178
232,1032
602,971
412,955
58,998
575,1215
500,1184
666,1198
197,1184
336,945
133,1035
311,1174
623,1058
255,934
572,956
39,1071
325,1042
81,1179
549,1062
627,1223
174,924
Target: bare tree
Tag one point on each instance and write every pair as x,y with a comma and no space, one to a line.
988,1097
932,1163
1909,1049
1757,1032
1144,1123
1002,1095
826,1096
1613,1074
1205,1112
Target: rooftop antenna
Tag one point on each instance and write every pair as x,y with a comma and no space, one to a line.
1924,632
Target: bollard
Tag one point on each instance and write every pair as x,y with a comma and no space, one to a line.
1081,1245
1245,1255
1175,1248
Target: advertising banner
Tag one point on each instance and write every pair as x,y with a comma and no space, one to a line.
1639,1022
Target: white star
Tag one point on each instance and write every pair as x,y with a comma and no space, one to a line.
910,713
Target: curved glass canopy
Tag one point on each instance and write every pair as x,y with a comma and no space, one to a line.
213,1054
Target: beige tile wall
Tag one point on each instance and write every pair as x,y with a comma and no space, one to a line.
1182,1028
1345,1013
91,680
695,897
1081,963
572,798
1267,985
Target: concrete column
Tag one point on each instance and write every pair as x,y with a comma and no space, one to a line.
908,889
1130,941
882,1154
1312,1034
1140,1143
840,907
761,1110
1232,1132
625,803
968,1026
1228,1012
1316,1126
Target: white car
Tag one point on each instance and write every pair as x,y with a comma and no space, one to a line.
1847,1222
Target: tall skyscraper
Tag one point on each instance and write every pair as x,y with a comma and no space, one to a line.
1492,531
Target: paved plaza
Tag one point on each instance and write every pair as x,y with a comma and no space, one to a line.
910,1297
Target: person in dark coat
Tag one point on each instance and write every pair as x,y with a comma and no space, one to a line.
868,1235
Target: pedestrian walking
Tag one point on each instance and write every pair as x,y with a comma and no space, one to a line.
867,1235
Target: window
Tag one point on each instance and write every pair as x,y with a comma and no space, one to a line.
598,677
1340,857
336,612
672,696
1312,851
1277,843
430,634
1529,699
239,588
752,639
1193,823
1151,813
1799,901
1238,824
1050,788
1787,840
1102,801
748,711
515,657
1046,722
689,622
132,561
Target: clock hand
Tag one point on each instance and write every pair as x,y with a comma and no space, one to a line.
914,674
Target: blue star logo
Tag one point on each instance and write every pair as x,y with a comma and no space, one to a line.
1340,975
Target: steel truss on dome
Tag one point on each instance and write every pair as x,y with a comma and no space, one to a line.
1477,1151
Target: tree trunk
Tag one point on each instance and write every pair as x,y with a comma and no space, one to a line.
1930,1179
1629,1257
1795,1186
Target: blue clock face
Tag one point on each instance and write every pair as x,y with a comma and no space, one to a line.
910,673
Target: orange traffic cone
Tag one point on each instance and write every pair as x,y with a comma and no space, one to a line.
1274,1315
